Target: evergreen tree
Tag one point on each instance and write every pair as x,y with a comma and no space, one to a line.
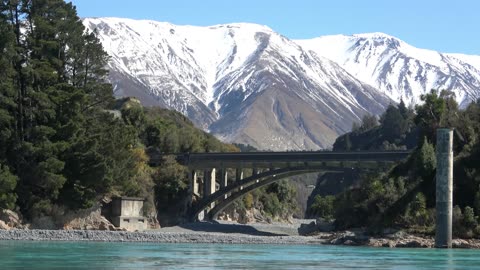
7,88
430,114
52,100
394,124
426,160
369,121
8,181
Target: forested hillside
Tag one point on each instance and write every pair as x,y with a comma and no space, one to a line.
404,196
65,142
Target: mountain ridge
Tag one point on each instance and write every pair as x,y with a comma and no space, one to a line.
243,82
399,69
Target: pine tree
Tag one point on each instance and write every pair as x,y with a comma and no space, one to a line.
8,182
393,124
430,114
426,160
48,99
7,88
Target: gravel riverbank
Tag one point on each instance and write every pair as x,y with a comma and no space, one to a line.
233,233
153,236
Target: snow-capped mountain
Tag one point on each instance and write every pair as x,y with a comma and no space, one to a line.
398,69
243,82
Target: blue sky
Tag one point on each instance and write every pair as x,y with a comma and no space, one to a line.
446,26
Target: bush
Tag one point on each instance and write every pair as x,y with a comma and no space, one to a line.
248,200
271,205
457,216
476,231
417,213
323,206
469,219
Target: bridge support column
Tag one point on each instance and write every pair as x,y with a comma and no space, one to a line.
193,189
223,180
209,184
239,176
194,183
444,188
255,171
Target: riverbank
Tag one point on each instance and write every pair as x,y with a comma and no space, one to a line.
153,237
233,233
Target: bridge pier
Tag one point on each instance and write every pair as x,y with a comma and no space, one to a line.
193,189
239,175
209,185
194,183
444,188
223,180
256,171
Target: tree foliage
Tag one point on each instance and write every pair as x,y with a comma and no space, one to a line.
323,206
405,195
60,144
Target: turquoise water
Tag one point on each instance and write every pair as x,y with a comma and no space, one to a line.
90,255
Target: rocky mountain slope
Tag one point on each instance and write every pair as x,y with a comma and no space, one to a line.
243,82
398,69
246,83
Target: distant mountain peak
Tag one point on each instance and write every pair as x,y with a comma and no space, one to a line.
246,83
375,35
399,69
241,81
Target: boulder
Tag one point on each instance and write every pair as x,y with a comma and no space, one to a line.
414,243
11,219
103,226
87,219
306,229
462,243
388,244
350,243
4,226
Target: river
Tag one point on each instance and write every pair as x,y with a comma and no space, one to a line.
103,255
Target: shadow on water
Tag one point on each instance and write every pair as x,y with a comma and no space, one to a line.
214,226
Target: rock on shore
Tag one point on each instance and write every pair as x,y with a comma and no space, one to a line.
399,240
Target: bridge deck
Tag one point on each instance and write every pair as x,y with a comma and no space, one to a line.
273,159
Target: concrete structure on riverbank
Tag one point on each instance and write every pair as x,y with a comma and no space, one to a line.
444,188
127,213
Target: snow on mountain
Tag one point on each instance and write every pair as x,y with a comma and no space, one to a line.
243,82
398,69
473,60
178,64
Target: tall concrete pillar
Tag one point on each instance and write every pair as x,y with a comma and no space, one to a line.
209,186
444,188
193,188
239,176
223,179
256,171
194,182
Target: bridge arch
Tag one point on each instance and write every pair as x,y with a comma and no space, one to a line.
276,166
255,181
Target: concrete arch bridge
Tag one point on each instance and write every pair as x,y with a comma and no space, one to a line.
217,179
